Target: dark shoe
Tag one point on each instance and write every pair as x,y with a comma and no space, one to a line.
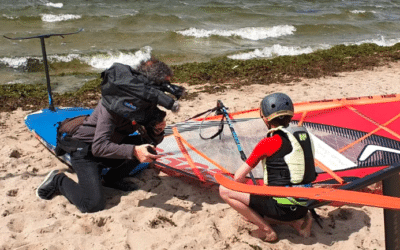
48,188
122,185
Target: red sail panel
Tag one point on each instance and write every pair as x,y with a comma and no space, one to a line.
341,117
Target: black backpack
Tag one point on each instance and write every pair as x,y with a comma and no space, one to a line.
129,94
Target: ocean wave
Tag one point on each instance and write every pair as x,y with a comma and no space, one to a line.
105,61
381,41
50,4
55,5
357,11
250,33
9,17
23,18
361,11
58,18
275,50
279,50
97,61
101,61
14,62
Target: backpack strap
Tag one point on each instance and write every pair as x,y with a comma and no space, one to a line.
71,125
65,130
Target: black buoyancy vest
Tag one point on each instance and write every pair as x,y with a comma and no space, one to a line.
293,164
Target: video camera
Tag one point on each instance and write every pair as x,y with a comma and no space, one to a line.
175,90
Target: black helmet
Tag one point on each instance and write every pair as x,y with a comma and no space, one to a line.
276,105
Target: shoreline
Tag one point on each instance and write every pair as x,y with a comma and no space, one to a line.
167,212
215,77
344,85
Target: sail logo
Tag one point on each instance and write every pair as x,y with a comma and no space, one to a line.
369,150
303,136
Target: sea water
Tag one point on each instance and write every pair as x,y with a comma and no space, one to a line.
180,31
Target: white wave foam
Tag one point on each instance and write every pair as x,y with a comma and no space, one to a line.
278,50
357,11
14,62
361,11
96,61
250,33
54,5
131,59
22,61
66,58
9,17
50,4
381,41
16,82
275,50
58,18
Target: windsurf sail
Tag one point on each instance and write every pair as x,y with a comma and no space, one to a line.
353,137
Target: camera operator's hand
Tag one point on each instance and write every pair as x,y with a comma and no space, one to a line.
175,107
141,152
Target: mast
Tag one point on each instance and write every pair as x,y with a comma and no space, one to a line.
46,67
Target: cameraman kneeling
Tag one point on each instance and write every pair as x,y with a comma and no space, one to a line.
104,139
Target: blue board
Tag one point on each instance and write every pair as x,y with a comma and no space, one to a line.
43,124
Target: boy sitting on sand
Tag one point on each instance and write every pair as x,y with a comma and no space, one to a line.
287,158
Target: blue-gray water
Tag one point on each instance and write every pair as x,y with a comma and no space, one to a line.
187,30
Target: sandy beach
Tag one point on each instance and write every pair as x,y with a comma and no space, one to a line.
168,212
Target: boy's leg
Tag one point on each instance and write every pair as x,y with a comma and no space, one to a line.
240,202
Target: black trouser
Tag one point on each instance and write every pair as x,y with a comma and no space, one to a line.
88,194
